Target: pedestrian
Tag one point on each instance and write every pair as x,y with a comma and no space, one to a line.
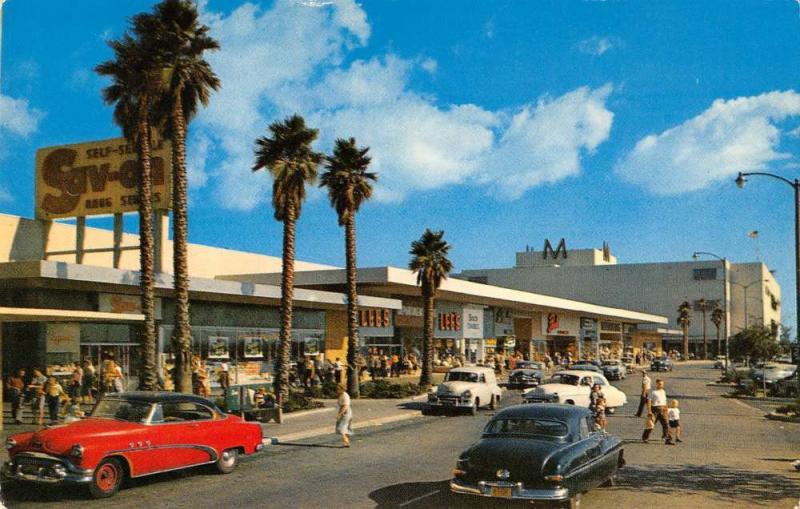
117,380
649,424
337,371
644,394
657,405
76,383
384,365
36,392
330,371
89,377
344,417
600,412
311,373
674,415
595,396
16,387
224,375
395,365
53,393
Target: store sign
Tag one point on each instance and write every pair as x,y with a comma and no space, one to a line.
552,322
374,317
588,323
510,342
411,311
451,322
490,343
610,326
124,304
555,324
98,177
63,338
218,347
473,322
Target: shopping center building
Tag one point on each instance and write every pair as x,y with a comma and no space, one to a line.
749,291
69,292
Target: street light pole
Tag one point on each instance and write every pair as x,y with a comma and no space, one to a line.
741,180
724,261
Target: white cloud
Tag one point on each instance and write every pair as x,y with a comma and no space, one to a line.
79,78
731,136
596,45
17,119
289,59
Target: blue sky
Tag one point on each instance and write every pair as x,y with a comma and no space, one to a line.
503,123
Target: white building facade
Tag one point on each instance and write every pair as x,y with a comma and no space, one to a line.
751,292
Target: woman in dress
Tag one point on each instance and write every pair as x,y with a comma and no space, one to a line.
344,417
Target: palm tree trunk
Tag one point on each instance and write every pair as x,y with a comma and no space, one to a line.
287,296
352,307
685,342
719,341
426,377
705,337
182,338
149,379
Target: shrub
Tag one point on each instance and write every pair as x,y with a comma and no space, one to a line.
788,410
299,401
325,391
382,389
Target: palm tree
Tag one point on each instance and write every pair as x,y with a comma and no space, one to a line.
702,305
684,320
349,185
716,319
187,83
429,260
134,81
291,161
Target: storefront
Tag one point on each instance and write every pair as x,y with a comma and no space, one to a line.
562,332
590,340
376,333
611,344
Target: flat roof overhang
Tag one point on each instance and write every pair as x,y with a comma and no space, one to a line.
12,314
68,276
395,281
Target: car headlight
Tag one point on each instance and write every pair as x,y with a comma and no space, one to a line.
76,451
10,443
467,394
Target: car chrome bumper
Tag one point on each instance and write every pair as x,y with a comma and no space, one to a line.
518,492
52,470
450,404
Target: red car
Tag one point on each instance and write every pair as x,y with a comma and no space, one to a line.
132,434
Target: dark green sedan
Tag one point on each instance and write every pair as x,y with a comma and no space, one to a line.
539,453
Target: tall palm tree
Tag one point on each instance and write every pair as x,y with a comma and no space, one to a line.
716,319
188,81
134,81
288,156
349,185
429,260
684,320
702,305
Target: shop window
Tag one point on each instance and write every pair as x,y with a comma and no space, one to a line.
704,274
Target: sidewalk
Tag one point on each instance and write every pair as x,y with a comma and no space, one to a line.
319,422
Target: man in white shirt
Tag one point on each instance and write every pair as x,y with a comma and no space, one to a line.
645,394
657,405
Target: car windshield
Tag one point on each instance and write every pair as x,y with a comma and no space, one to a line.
123,410
524,365
564,378
461,376
610,363
532,427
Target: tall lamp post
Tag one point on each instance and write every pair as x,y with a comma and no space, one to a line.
696,255
745,288
741,180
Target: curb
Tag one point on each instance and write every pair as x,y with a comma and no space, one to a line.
327,430
782,418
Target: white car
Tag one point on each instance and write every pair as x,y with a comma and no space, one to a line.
468,388
573,387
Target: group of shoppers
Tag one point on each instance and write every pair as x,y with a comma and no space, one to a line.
659,409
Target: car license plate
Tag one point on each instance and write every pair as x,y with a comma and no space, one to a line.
501,492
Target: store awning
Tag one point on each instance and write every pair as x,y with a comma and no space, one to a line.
8,314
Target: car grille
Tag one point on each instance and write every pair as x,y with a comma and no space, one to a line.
32,465
448,399
540,398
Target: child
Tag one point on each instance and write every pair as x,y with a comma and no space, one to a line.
600,413
674,418
649,424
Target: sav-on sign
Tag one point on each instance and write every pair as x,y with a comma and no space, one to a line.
98,177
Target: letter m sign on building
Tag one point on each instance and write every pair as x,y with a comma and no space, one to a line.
561,249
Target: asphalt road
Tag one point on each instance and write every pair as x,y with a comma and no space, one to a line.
731,457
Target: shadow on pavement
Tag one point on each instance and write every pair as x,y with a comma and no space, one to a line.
725,482
413,405
433,495
298,444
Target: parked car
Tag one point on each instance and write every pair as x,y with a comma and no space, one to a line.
526,374
627,360
586,366
543,453
661,364
770,373
573,388
614,369
468,388
132,434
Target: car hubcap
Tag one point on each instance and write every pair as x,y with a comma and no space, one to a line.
228,458
107,477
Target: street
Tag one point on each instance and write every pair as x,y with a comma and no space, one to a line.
731,457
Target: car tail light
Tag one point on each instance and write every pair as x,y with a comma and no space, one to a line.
554,478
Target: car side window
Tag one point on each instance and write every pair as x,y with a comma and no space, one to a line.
584,428
158,415
599,381
186,411
482,379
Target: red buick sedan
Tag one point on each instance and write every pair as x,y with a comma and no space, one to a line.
132,434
